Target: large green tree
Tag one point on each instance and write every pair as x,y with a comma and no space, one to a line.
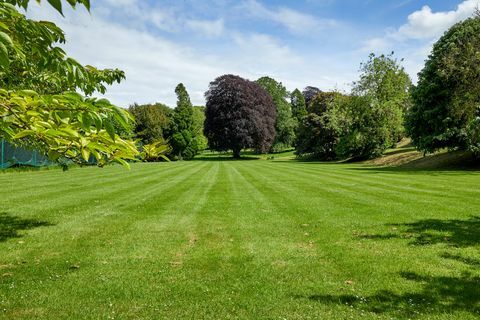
40,105
446,100
182,137
362,125
319,132
198,124
151,121
387,85
285,124
299,106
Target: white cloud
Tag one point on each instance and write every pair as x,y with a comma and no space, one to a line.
209,28
425,23
414,39
294,21
155,62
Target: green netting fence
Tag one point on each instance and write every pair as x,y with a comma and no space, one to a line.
11,156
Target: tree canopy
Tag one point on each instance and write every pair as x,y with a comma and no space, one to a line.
309,93
445,111
385,82
239,114
39,103
285,124
182,135
299,106
361,125
151,121
319,131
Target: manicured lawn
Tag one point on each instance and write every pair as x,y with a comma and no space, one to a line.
240,239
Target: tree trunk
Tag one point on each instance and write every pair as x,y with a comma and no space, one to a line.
236,153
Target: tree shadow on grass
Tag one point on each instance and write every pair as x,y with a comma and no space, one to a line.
10,226
437,294
457,233
442,294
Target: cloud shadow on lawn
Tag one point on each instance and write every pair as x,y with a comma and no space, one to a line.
11,225
437,294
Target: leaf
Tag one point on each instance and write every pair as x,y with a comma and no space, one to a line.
57,4
53,155
4,59
23,134
122,162
85,154
5,39
110,129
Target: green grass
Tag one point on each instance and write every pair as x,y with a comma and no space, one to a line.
240,239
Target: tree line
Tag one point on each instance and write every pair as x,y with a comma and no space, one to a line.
442,111
46,103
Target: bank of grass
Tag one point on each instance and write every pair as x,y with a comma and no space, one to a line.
212,239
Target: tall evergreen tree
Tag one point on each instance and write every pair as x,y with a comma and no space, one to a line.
182,135
299,106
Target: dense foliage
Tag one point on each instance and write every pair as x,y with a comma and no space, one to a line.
239,114
151,121
39,106
198,122
362,125
182,136
309,93
156,151
386,83
299,106
446,101
319,133
285,124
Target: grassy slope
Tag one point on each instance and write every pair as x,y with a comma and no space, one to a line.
240,239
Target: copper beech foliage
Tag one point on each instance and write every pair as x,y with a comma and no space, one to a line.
239,114
39,103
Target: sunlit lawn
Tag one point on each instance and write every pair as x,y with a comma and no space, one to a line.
240,239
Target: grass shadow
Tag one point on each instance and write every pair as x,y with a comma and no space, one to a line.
10,226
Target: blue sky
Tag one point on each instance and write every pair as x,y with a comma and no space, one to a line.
298,42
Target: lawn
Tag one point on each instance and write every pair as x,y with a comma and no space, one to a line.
254,239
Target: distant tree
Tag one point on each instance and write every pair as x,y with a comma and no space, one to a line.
309,93
198,123
386,83
299,106
239,114
446,100
365,133
320,131
151,121
181,133
285,124
124,131
375,111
